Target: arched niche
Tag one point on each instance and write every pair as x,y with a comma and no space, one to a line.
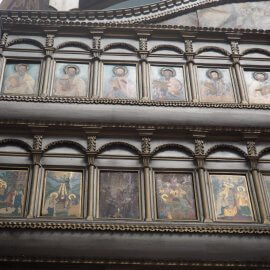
118,179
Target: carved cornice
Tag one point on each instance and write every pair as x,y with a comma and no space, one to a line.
137,227
86,100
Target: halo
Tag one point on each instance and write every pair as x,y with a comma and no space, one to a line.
21,64
209,71
71,195
260,72
241,188
121,67
72,66
54,194
168,68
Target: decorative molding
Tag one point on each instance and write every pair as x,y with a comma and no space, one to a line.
74,44
167,47
188,46
111,145
25,41
235,48
97,42
199,147
251,148
256,50
4,39
143,227
146,145
37,142
56,144
16,142
212,49
50,40
226,147
119,45
172,146
263,152
91,143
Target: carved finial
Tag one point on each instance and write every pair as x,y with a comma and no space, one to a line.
251,148
91,143
37,142
199,147
4,39
235,47
188,46
50,40
146,145
97,42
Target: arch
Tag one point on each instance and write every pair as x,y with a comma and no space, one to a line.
73,44
233,148
264,152
166,47
25,41
56,144
16,142
256,50
172,146
122,45
212,49
111,145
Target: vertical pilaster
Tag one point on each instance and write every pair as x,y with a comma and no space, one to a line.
143,54
49,50
96,53
253,160
189,55
36,156
235,57
200,159
3,45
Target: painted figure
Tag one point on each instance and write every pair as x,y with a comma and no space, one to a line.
258,86
62,194
167,87
20,82
70,84
120,85
175,196
232,201
119,195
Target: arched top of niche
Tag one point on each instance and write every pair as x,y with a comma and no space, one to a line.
256,50
28,41
73,44
19,144
265,153
120,45
221,148
65,143
181,149
215,49
125,147
166,47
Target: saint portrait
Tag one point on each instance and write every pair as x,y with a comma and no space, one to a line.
258,86
13,184
21,78
167,83
175,196
215,85
119,82
71,80
231,198
119,195
62,194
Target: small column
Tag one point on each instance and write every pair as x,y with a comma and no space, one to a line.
91,155
96,53
143,54
49,50
235,57
36,157
189,55
253,160
200,159
146,154
3,45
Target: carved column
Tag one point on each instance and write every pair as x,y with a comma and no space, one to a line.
36,156
235,56
143,54
200,159
49,50
3,45
253,159
96,52
189,54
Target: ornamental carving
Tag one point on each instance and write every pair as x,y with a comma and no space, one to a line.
235,47
49,40
91,143
143,44
146,146
188,46
4,39
199,147
37,142
251,148
96,42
